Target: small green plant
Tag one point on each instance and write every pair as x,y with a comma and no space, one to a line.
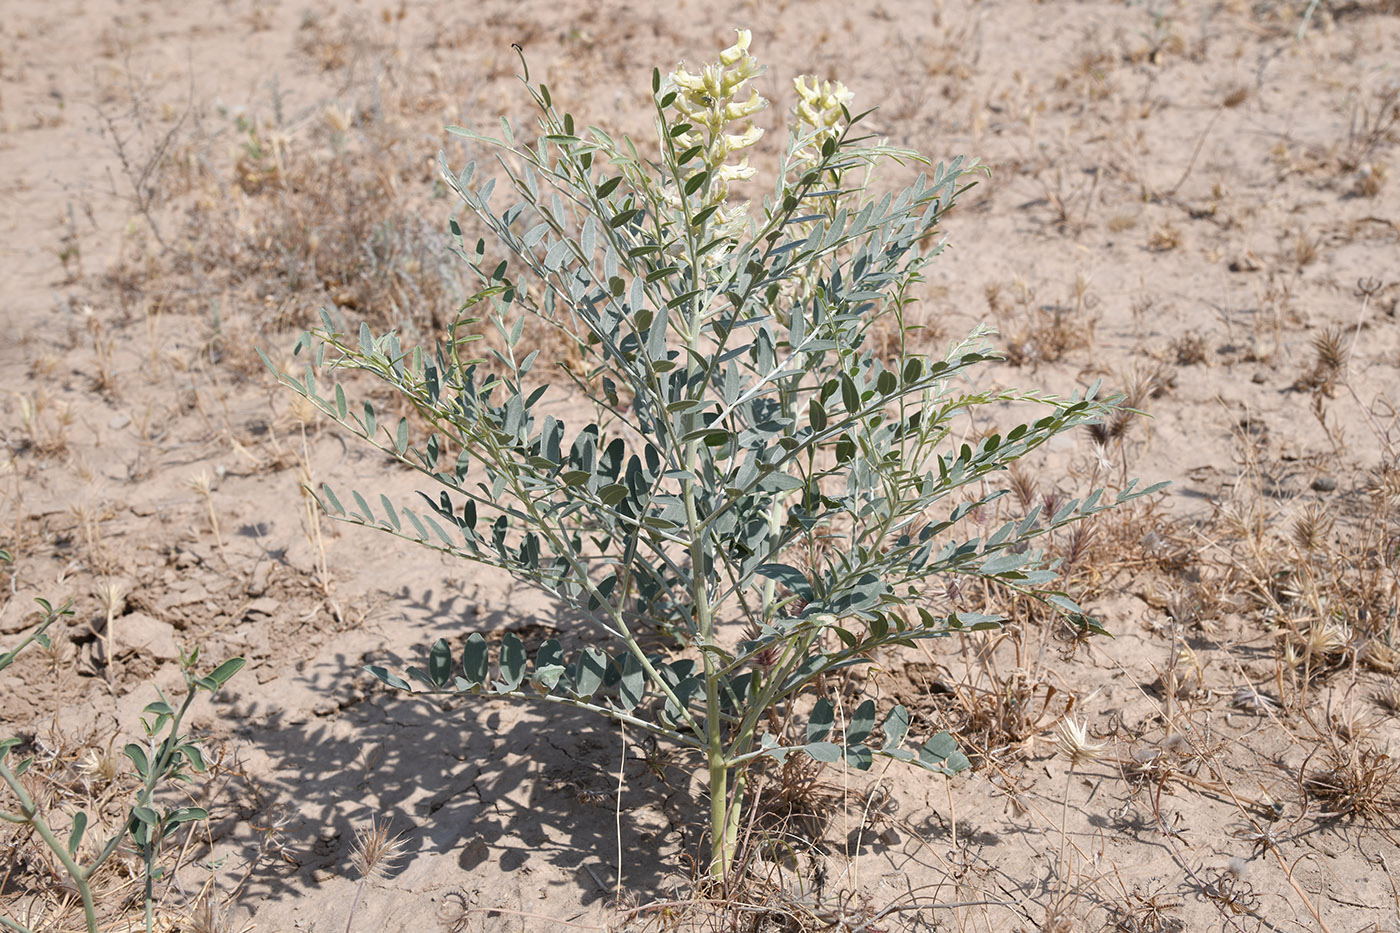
39,633
161,758
758,499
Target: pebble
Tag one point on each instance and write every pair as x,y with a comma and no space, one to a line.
263,605
258,585
144,634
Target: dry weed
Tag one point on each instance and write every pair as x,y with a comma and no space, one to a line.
1035,333
1356,782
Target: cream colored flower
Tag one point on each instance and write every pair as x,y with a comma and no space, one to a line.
741,172
739,50
743,140
738,111
819,108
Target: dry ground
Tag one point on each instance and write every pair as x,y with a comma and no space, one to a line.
1193,201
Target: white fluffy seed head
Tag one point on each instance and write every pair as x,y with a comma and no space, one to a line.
1072,743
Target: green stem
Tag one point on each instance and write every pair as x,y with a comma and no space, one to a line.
720,842
31,814
8,657
735,810
720,848
150,880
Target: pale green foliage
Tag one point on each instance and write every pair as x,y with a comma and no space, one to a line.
751,466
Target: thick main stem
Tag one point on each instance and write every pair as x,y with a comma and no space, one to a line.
721,850
724,816
721,824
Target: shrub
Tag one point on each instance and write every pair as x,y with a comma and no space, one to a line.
758,499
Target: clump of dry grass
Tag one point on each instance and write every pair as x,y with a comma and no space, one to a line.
1356,782
1147,912
1190,349
782,881
1372,124
1370,179
1035,332
44,426
995,716
794,801
1328,365
327,224
1164,238
336,208
1387,697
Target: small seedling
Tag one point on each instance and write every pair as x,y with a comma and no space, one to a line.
163,757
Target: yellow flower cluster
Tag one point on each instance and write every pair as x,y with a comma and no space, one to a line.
819,107
710,102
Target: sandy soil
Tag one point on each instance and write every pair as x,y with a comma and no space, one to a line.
1183,196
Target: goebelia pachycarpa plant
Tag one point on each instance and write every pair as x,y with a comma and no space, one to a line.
741,428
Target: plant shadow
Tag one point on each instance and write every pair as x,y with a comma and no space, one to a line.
477,785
